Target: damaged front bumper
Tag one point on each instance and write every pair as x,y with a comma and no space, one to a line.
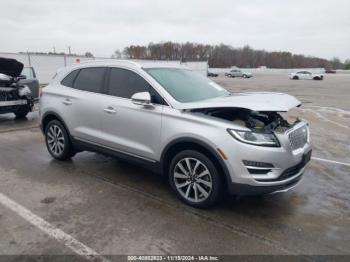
13,103
269,169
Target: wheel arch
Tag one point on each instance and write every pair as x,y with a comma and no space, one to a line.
181,144
49,116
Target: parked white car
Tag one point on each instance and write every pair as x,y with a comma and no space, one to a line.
306,75
238,73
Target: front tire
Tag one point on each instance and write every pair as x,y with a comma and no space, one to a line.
295,78
195,179
58,141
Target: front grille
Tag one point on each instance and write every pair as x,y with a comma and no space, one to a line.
8,94
298,137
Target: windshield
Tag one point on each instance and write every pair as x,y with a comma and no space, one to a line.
185,85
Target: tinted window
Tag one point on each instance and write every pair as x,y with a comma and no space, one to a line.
69,79
90,79
125,83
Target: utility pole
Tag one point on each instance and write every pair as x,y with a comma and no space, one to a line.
69,51
54,50
29,61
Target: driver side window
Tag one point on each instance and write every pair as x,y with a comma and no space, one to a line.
125,83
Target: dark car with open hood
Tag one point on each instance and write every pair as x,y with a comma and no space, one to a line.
15,97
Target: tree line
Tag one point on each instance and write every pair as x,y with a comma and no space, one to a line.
223,56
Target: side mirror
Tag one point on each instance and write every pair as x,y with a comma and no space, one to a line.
21,77
142,98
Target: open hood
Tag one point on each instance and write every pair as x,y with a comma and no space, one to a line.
262,101
10,67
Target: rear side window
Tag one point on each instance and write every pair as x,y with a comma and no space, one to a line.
69,79
90,79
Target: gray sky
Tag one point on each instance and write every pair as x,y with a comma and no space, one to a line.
318,28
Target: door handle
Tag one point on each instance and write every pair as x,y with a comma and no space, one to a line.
67,102
110,110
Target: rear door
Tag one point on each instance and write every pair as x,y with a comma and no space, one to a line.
82,103
132,129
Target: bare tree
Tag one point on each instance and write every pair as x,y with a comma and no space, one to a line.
226,56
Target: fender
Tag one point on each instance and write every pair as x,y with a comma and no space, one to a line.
52,113
202,144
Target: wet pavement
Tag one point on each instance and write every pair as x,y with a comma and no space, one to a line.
117,208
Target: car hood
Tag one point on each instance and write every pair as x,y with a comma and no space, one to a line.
262,101
10,67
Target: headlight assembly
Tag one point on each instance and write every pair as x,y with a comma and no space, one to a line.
255,138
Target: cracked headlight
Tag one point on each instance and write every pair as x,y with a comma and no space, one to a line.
255,138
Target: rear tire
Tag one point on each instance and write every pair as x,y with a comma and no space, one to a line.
57,140
195,179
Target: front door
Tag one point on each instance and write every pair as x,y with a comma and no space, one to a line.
130,128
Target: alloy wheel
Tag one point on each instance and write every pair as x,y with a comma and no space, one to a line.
55,140
192,179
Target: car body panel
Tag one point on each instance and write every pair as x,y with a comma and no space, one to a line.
10,67
262,101
81,111
131,128
31,81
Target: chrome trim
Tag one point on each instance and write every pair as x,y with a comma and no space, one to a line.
116,150
272,183
297,138
13,103
263,168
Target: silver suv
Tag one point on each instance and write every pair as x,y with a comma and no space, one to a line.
178,123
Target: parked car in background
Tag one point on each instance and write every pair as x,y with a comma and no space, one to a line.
15,97
211,74
306,75
238,73
30,80
330,71
206,140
